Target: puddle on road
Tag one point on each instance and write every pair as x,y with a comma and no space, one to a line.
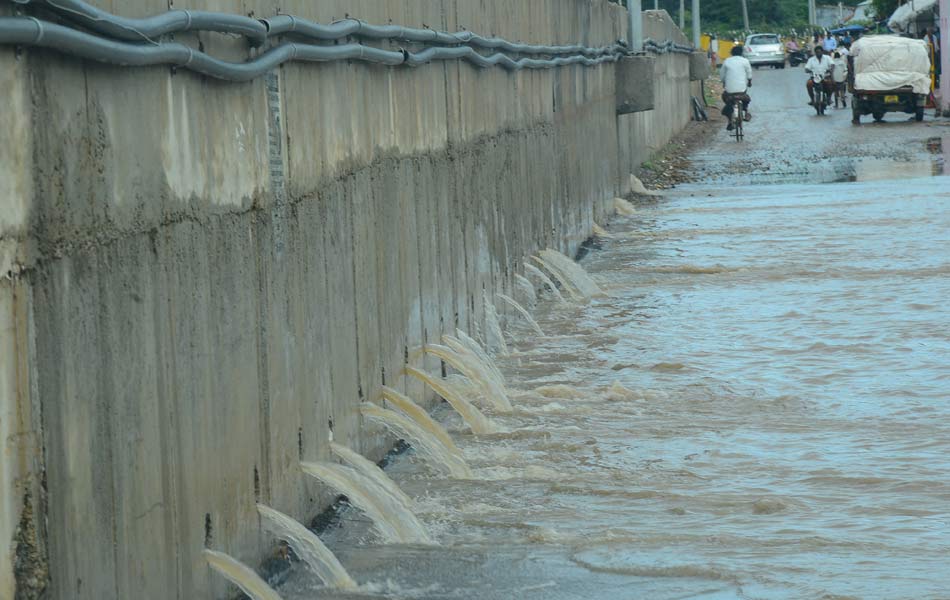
876,169
902,161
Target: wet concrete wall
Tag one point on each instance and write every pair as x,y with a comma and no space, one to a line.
644,133
199,279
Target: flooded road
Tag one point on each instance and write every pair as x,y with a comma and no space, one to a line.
758,407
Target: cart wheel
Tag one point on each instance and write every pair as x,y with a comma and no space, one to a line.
919,115
878,116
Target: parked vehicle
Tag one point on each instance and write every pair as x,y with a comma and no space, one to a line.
765,49
890,74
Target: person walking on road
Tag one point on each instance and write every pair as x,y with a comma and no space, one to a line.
819,67
840,77
736,75
830,44
933,44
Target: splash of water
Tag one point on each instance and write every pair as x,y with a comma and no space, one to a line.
623,207
523,312
371,471
572,291
473,368
240,575
479,423
601,232
571,272
637,187
393,519
420,416
526,288
533,270
308,547
495,336
475,349
448,458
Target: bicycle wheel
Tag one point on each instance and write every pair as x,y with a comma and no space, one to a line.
739,114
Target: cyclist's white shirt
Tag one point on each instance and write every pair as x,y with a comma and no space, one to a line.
736,73
822,67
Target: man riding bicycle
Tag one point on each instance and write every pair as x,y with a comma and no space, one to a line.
736,75
820,67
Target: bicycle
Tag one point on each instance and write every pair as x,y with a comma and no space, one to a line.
737,115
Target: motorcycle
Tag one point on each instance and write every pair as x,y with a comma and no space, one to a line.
821,95
797,57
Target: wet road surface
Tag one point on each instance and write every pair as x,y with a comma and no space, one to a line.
786,142
758,408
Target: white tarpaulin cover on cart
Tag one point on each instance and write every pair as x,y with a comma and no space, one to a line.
888,62
907,13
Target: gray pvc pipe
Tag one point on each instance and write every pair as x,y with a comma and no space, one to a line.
146,29
29,31
667,46
283,24
149,28
33,32
501,60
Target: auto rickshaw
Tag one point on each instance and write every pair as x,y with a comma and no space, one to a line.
890,74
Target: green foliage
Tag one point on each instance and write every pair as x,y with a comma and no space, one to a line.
725,16
884,8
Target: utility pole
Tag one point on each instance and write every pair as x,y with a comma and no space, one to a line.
635,25
745,14
656,4
696,33
944,56
682,15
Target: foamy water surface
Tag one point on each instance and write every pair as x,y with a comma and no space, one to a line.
758,408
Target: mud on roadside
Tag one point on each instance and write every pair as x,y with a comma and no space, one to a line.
670,166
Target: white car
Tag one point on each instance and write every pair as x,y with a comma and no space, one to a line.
765,49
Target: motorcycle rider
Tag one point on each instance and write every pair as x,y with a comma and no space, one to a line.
819,66
736,75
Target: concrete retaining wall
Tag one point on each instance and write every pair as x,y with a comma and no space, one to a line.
644,133
197,279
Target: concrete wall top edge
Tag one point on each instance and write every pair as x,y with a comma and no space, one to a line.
658,25
539,22
123,150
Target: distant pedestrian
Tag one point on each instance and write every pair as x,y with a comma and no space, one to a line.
840,76
714,51
830,44
933,44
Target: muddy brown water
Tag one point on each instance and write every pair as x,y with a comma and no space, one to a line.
759,408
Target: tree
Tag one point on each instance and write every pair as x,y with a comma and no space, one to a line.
726,15
884,8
